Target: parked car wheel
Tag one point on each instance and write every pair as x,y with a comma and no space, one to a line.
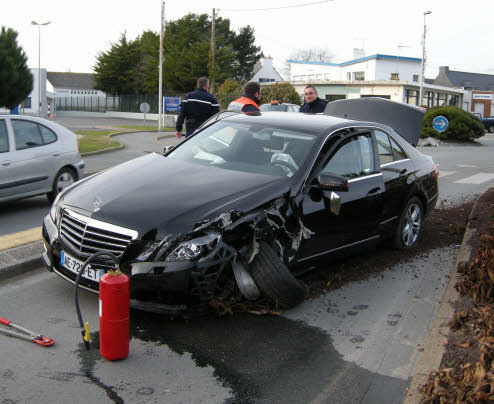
63,179
409,228
274,278
491,129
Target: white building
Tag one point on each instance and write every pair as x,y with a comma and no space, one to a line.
44,92
264,72
369,68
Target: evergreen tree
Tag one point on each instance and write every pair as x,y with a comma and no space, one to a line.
115,70
246,53
16,80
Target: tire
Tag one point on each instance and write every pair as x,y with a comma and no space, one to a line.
409,229
274,278
491,129
63,179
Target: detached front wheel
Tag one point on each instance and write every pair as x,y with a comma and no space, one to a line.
274,278
409,228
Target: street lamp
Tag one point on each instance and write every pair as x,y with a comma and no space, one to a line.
39,62
423,57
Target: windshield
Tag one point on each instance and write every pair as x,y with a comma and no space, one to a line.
247,148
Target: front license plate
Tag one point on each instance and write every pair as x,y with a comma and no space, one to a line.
74,265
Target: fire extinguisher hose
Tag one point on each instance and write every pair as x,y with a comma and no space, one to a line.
85,326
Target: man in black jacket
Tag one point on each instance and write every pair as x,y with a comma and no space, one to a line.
196,107
313,104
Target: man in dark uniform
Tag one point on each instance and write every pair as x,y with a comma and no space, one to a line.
249,102
196,107
313,104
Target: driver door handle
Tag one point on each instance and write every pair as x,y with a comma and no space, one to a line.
6,163
373,192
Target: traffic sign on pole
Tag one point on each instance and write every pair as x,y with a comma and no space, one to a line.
440,123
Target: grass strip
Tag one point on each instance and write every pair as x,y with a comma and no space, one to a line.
96,140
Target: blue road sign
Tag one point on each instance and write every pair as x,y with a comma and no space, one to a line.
172,104
440,123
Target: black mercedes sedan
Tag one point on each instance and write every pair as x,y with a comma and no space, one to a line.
251,200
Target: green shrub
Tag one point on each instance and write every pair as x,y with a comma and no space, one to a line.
282,92
230,90
462,124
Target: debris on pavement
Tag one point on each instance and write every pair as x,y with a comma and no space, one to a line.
467,368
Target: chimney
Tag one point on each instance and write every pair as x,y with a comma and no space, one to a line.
443,70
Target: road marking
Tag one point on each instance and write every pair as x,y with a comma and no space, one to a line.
21,238
443,174
476,179
466,166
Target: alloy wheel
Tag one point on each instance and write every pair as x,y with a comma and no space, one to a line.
412,225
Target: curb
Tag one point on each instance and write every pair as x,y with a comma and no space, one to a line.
110,149
18,260
434,347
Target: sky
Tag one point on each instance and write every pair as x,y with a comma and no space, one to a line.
459,34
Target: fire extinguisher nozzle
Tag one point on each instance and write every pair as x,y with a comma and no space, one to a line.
86,335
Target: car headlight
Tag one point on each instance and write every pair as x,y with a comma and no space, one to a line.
55,210
195,249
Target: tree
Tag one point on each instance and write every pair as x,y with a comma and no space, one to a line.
115,70
462,124
246,53
186,53
313,55
16,80
282,92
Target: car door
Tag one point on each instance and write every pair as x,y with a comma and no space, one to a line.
357,221
396,168
6,148
31,164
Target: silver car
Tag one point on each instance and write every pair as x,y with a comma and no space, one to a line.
37,157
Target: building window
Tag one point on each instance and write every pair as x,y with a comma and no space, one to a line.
395,76
441,99
412,97
334,97
26,103
359,76
349,76
454,100
415,77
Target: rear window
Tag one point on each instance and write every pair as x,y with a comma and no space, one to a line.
4,139
47,134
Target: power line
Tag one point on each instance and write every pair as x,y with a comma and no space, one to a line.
278,8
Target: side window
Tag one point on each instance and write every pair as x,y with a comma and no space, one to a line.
26,134
4,138
398,153
47,134
384,147
354,158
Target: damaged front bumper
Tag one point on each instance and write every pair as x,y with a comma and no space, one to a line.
156,286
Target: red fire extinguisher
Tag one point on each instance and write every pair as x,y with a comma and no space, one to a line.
114,315
113,311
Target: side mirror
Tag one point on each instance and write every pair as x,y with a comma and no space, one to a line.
332,182
167,149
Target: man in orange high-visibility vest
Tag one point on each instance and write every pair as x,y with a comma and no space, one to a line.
249,102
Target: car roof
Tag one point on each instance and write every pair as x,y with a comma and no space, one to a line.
296,121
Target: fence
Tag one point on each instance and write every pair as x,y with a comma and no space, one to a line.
125,102
122,103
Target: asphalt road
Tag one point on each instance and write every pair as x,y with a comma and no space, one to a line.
355,344
16,216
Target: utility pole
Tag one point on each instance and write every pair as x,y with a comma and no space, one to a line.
212,50
160,91
40,103
422,67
